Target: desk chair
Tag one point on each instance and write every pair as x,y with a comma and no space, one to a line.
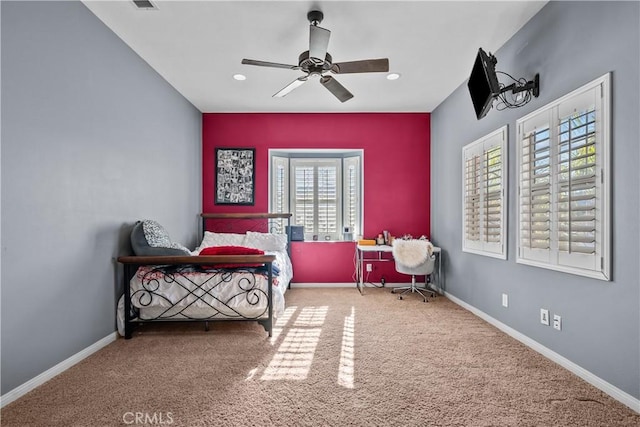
415,258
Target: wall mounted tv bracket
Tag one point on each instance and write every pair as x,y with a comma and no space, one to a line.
531,85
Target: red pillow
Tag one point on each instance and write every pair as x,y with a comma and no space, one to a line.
231,250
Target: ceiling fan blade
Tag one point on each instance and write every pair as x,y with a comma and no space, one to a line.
365,66
269,64
318,43
291,86
336,88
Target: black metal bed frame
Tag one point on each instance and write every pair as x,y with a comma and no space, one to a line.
170,268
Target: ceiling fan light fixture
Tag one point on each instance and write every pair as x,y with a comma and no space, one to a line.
239,77
393,76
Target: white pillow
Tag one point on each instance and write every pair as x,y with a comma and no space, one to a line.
220,239
266,241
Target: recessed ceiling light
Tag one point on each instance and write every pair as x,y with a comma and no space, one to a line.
393,76
240,77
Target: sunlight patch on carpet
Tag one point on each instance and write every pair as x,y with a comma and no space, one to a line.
251,374
312,316
346,368
281,322
293,359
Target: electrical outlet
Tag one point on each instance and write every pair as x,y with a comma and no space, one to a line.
369,268
505,300
544,316
557,322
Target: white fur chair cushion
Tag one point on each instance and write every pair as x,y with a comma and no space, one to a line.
412,253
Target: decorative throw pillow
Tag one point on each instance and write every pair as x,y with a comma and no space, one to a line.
231,250
148,238
155,234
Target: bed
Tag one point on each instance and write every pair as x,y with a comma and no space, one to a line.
240,271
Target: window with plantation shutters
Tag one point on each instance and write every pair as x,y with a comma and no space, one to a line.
323,193
563,171
484,199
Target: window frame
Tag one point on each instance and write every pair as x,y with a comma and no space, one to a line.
278,158
551,116
480,149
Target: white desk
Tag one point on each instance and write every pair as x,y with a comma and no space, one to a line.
380,251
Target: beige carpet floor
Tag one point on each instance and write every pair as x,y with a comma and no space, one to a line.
336,359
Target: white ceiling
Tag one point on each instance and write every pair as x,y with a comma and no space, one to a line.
197,46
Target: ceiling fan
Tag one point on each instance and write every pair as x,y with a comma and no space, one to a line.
317,62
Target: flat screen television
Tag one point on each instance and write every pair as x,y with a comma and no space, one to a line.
483,83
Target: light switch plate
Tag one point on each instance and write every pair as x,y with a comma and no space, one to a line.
544,316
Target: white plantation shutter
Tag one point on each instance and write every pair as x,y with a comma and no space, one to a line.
303,196
315,196
535,190
328,203
484,198
472,199
280,189
563,173
577,184
493,204
351,194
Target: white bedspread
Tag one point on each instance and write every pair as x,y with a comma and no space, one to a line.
185,293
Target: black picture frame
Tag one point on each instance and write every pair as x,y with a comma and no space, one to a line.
235,176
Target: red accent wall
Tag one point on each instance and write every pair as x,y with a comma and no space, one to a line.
396,176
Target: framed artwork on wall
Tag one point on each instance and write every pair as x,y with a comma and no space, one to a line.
235,176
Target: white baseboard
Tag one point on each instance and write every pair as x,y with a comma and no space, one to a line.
323,285
347,285
25,388
610,389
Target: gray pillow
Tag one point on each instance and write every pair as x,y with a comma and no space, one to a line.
148,238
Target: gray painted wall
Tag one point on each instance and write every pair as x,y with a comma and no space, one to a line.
92,140
569,44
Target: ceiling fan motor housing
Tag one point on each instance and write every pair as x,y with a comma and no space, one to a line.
315,17
307,65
